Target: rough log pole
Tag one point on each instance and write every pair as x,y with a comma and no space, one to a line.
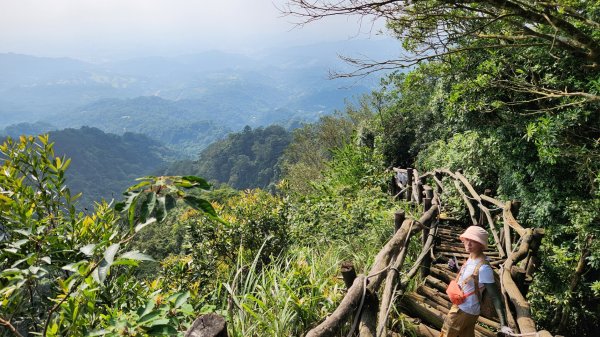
490,221
348,273
210,325
428,192
434,210
509,219
368,317
524,320
399,217
390,287
392,247
439,187
533,260
409,180
418,192
351,301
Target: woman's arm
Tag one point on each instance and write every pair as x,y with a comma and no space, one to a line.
492,291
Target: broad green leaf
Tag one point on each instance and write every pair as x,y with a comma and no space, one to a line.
142,225
201,204
25,232
126,262
145,206
148,308
88,249
10,271
19,243
5,199
161,321
120,206
47,259
162,330
99,274
139,185
198,181
131,212
161,210
110,252
181,299
98,333
136,255
150,316
72,267
170,202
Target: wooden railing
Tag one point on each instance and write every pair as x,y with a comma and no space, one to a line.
367,303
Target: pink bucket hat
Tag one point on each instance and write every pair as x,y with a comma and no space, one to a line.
477,234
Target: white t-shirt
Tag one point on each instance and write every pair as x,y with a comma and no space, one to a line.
486,275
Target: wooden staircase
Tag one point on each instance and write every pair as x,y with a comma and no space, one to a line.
369,297
429,304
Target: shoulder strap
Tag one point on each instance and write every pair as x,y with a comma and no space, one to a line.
475,277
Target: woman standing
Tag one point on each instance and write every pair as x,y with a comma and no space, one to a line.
475,275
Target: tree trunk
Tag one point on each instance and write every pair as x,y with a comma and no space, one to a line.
211,325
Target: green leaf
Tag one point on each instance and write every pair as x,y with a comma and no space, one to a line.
47,259
142,225
198,181
137,256
181,299
126,262
99,274
162,330
19,243
72,267
25,232
131,210
147,206
150,316
139,185
148,308
110,252
120,206
201,204
170,202
98,333
161,321
161,209
88,249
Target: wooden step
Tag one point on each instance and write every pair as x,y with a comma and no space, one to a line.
417,305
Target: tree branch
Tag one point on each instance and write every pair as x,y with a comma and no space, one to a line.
10,327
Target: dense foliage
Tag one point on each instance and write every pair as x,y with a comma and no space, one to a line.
507,91
65,273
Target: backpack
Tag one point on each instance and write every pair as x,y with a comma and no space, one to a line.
485,300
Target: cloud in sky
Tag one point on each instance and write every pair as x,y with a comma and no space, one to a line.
105,28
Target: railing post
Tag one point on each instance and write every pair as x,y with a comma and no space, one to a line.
399,217
409,182
348,273
438,188
210,325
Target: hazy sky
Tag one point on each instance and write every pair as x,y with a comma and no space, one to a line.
97,29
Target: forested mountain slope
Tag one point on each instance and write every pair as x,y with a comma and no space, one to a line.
245,159
104,164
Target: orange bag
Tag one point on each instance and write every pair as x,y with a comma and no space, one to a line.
455,293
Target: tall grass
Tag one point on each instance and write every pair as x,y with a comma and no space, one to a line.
297,291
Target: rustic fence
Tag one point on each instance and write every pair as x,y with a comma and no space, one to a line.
369,298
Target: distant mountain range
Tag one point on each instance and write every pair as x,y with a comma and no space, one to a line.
188,101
